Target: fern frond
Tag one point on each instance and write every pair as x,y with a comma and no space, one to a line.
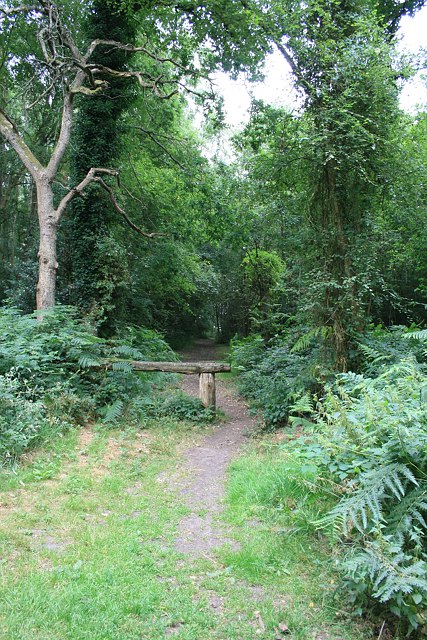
121,365
88,360
128,352
305,340
366,504
391,572
408,511
112,412
304,404
417,335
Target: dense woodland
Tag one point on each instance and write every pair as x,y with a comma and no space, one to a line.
122,239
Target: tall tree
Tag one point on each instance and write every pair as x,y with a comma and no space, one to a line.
63,69
342,60
96,143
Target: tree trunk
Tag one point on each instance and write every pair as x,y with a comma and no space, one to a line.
48,265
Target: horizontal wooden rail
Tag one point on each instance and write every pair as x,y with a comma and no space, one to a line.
206,371
181,367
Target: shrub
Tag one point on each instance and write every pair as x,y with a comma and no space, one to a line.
272,376
23,422
185,407
372,444
55,372
178,405
380,347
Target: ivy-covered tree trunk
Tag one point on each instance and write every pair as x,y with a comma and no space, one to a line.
341,57
335,223
98,266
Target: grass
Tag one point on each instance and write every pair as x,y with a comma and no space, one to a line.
87,548
270,506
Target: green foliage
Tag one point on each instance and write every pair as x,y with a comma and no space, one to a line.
112,412
285,489
316,180
53,374
184,407
272,376
23,422
362,456
149,343
372,443
262,270
380,347
176,405
418,335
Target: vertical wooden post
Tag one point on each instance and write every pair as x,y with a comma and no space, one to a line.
207,389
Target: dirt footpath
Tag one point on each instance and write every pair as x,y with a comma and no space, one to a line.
206,463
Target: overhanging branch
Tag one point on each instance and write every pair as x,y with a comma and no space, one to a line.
144,79
23,8
153,137
78,190
94,175
294,67
131,49
123,213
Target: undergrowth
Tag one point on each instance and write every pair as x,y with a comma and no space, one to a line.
177,405
372,441
272,376
56,372
358,444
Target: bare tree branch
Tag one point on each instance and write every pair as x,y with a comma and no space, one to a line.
12,136
21,9
294,67
45,93
123,213
153,83
64,135
192,91
153,137
99,87
78,190
127,47
94,175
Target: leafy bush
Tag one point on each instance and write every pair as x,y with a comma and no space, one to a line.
54,371
380,347
365,444
372,445
272,376
23,422
178,405
149,343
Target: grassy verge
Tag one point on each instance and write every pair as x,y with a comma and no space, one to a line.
272,514
87,549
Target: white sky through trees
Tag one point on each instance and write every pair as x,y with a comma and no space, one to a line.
277,87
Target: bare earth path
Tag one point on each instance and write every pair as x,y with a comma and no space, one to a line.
206,464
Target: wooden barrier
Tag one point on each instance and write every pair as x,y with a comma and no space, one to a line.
206,371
